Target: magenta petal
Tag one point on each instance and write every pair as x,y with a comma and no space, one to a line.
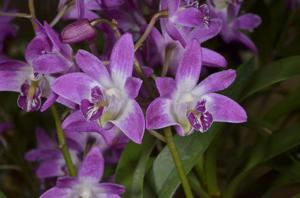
166,86
92,165
44,141
215,82
58,46
205,33
13,74
247,21
109,188
189,68
212,58
158,114
76,122
92,66
74,86
37,46
224,109
66,182
55,193
50,63
246,41
50,101
131,122
121,60
175,34
50,168
132,86
173,5
80,8
189,17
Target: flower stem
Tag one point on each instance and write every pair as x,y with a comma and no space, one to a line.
32,12
113,25
62,142
148,30
60,14
20,15
178,162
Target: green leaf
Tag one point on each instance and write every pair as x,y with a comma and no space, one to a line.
2,195
285,106
164,176
273,73
132,166
265,150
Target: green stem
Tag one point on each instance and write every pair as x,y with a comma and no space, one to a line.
32,12
148,30
211,170
62,142
178,163
20,15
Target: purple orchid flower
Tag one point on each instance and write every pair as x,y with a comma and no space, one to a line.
164,42
106,96
46,53
111,142
188,21
19,77
87,9
86,183
51,161
228,12
190,106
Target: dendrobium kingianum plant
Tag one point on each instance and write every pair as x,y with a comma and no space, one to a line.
86,184
107,95
233,24
190,106
124,72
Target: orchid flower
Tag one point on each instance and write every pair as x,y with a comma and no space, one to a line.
86,9
106,96
190,106
86,183
164,42
51,161
186,22
111,142
233,24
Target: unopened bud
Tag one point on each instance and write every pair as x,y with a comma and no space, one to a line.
78,31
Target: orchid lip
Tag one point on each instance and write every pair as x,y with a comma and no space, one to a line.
30,96
199,118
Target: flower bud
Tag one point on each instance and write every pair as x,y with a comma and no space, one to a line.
78,31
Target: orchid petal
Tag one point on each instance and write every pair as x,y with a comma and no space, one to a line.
174,33
188,71
50,168
166,86
247,21
131,122
13,74
74,86
205,33
212,58
173,5
44,141
246,41
76,122
159,114
92,165
215,82
189,17
37,46
50,63
109,188
121,60
66,182
132,86
92,66
56,192
224,109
